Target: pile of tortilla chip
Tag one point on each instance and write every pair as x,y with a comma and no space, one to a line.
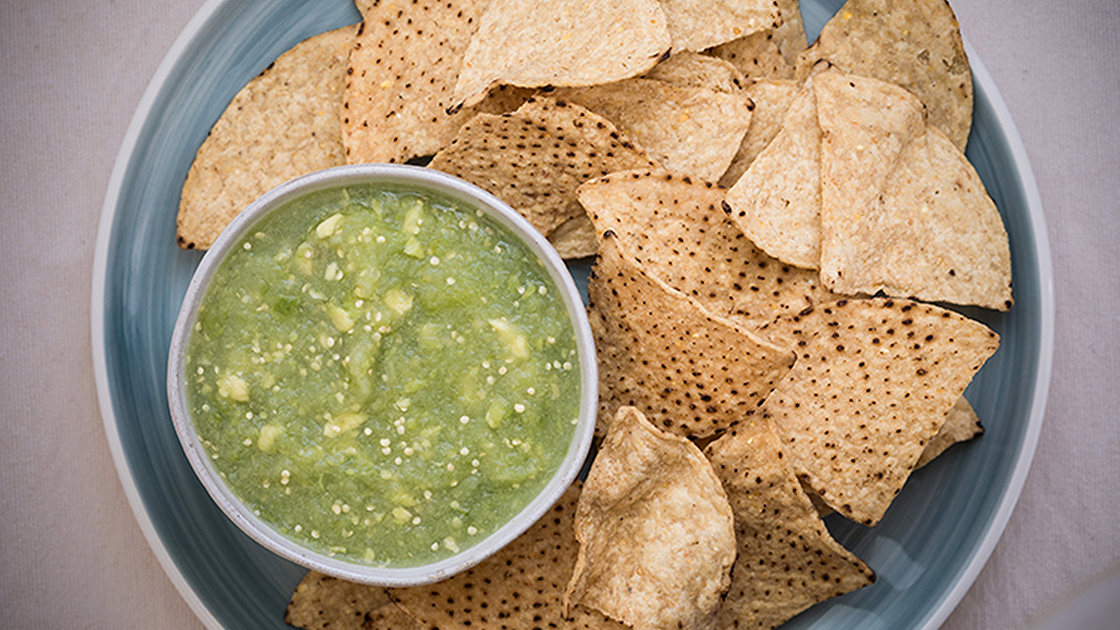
527,100
777,230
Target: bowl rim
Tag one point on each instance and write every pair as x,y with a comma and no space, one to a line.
424,180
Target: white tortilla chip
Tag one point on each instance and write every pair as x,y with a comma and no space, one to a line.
689,372
868,392
902,210
282,124
657,539
912,43
777,201
561,43
698,26
688,130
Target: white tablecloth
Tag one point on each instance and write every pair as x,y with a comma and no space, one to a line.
72,74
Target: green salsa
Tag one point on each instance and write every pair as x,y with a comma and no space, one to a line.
383,376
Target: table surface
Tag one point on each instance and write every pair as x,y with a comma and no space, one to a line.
72,554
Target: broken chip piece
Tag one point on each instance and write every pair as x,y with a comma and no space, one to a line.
656,534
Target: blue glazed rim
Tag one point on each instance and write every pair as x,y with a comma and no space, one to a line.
229,581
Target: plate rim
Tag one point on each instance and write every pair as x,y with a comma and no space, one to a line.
1025,456
943,608
97,312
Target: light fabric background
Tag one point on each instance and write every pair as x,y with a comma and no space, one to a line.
71,76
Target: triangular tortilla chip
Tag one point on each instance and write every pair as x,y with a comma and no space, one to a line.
689,372
777,201
561,43
691,131
575,238
756,56
679,229
913,43
867,394
281,125
796,331
961,425
401,72
657,539
787,559
866,123
520,586
321,602
698,26
691,69
771,98
902,210
790,36
535,158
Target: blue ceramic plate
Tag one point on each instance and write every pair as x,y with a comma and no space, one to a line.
927,551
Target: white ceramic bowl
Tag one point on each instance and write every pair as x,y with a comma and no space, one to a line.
420,179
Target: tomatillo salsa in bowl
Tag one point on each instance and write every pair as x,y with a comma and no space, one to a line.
383,373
